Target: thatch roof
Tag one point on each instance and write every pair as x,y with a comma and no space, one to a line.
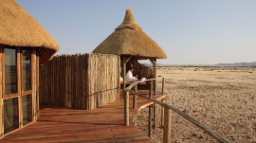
19,28
129,39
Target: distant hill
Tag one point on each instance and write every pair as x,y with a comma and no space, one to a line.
219,64
238,64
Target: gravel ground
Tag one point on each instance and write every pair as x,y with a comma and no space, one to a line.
223,99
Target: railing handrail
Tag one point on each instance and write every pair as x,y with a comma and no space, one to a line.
218,137
135,83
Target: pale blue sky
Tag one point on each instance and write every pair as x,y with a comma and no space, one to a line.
190,32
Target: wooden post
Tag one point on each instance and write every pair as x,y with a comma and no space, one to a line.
125,94
126,108
149,122
88,84
1,100
162,113
167,125
163,82
151,88
153,106
162,116
19,88
37,82
124,75
154,116
118,81
135,97
154,63
126,112
34,86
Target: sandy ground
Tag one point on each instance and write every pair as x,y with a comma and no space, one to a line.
223,99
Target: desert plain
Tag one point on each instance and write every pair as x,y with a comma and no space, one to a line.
222,98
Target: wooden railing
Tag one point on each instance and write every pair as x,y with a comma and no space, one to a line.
166,114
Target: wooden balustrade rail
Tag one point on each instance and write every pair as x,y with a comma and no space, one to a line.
126,97
135,83
218,137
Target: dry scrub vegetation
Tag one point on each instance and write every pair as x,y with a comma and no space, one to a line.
223,99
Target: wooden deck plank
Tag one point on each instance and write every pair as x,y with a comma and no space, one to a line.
103,124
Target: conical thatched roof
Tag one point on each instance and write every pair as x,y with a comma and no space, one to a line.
129,39
19,28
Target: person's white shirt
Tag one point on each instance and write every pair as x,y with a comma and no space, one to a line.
130,77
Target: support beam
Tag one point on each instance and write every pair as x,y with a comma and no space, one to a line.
153,107
125,94
150,111
149,122
37,82
126,109
162,116
153,61
154,116
34,110
163,82
135,97
128,59
124,75
151,89
18,58
162,112
167,125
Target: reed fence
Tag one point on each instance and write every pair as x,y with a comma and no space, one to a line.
83,81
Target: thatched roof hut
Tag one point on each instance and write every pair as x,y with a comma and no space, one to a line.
129,39
18,28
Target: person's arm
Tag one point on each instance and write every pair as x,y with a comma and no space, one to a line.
129,77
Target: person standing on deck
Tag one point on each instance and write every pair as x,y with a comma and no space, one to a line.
130,77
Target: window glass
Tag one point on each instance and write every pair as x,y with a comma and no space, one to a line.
26,61
11,115
27,109
10,71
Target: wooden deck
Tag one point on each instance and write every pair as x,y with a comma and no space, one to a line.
103,124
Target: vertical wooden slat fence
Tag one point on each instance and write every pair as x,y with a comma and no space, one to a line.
84,81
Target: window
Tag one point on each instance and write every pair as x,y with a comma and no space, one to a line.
27,109
11,114
26,72
10,62
17,87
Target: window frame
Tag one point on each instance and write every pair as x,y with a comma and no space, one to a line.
37,81
20,93
24,93
17,72
19,56
31,71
